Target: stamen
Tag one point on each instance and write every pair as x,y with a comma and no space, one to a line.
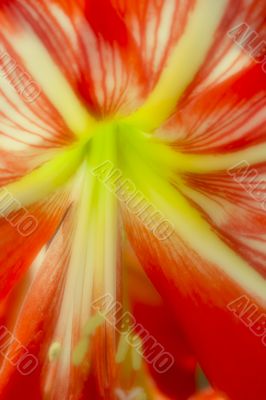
80,351
122,349
54,351
93,323
130,344
137,353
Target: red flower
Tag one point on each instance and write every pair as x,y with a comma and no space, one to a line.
145,117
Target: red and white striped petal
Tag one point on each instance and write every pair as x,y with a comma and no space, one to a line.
57,313
30,128
223,146
156,27
91,273
91,46
199,274
221,154
243,22
35,320
184,61
111,52
112,69
198,292
204,56
234,203
227,118
23,233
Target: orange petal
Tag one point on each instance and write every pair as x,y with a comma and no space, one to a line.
23,234
34,324
156,27
234,204
91,45
233,121
29,128
226,58
154,315
225,160
199,292
57,321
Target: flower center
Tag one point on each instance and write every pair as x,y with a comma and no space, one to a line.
116,164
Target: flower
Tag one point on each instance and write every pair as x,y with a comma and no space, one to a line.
131,117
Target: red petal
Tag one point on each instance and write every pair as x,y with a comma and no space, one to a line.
91,44
112,52
22,235
233,120
234,204
151,312
61,313
28,126
231,125
156,27
199,293
34,325
226,57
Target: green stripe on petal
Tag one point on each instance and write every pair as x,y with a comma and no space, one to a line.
202,163
54,85
44,180
191,226
183,65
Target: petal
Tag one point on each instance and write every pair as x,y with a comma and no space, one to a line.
31,210
57,316
199,275
21,42
87,279
240,34
137,50
215,56
234,204
199,293
100,63
23,233
30,128
37,185
222,160
39,311
222,163
110,69
179,71
231,127
156,27
154,316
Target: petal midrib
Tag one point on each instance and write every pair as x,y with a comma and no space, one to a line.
182,66
191,227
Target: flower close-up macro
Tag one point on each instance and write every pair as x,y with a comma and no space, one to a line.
132,199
